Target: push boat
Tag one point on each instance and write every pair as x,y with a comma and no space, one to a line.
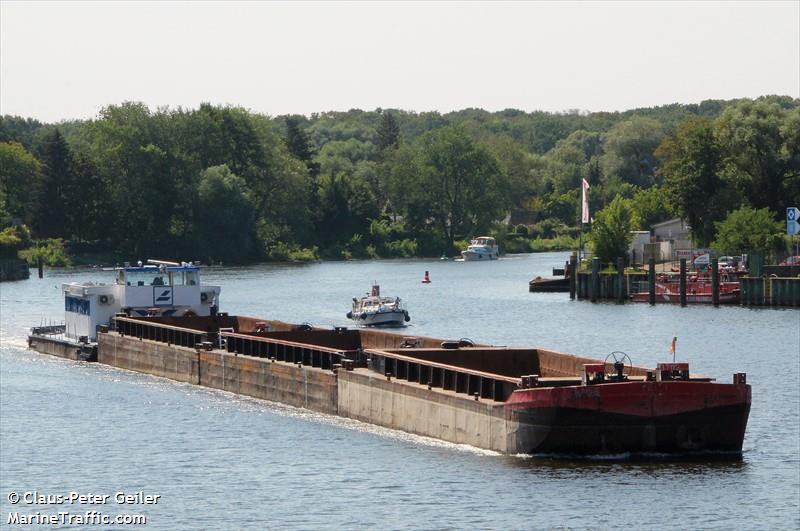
375,310
157,288
558,283
482,248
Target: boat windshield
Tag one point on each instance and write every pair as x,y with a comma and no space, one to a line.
148,278
376,302
154,276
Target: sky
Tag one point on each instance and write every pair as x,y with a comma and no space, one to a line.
68,60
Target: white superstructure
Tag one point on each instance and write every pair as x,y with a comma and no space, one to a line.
481,248
158,288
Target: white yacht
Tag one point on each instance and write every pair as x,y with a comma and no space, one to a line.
374,310
481,248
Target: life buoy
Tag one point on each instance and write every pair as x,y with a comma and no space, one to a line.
203,297
103,299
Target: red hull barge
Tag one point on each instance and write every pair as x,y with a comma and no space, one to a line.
696,292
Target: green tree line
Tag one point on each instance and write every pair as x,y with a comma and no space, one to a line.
225,184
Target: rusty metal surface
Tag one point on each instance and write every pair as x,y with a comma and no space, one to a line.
286,342
438,365
150,323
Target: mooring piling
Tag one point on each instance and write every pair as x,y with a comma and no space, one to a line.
683,281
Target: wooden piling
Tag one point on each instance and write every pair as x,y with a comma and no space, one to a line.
715,281
40,265
621,280
594,285
651,266
573,272
683,281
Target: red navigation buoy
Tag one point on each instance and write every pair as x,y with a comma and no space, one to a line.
426,279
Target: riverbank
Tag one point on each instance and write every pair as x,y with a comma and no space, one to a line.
298,255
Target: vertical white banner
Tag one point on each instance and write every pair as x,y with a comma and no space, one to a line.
584,201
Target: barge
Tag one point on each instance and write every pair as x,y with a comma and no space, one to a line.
697,291
510,400
559,283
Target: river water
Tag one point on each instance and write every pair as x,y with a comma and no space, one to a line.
220,461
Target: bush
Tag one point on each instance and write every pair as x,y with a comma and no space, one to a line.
354,248
546,228
52,253
460,245
13,240
402,248
611,231
284,252
748,230
559,243
517,245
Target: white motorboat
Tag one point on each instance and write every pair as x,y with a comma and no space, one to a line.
481,248
374,310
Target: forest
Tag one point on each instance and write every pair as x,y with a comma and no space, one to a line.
225,184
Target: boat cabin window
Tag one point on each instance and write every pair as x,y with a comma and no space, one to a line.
148,278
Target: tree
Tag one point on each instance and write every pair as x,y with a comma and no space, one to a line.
572,159
521,170
690,161
749,230
649,207
346,207
405,188
90,222
299,144
225,218
790,132
342,156
134,153
462,182
629,149
388,132
19,129
611,231
51,218
760,153
19,180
